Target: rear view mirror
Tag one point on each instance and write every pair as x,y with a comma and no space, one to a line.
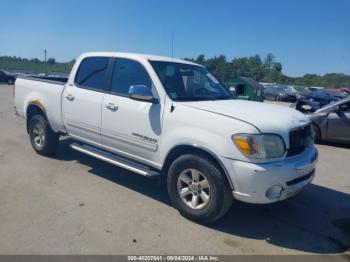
142,93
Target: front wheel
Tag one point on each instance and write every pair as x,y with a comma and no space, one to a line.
42,138
198,189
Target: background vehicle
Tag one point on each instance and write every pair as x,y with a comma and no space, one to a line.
172,119
299,91
305,106
321,97
279,93
7,77
332,122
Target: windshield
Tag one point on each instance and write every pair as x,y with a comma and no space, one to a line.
184,82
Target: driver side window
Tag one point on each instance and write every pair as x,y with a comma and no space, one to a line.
127,73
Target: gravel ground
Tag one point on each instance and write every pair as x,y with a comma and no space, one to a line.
74,204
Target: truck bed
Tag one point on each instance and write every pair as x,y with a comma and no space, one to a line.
44,93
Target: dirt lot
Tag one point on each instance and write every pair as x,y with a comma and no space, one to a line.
74,204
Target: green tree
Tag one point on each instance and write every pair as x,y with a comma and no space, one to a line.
269,60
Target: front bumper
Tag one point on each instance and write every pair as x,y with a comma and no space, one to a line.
271,182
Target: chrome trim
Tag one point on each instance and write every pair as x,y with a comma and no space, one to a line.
83,126
136,158
129,140
111,161
141,93
111,149
85,140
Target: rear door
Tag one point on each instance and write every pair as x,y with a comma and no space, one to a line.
129,127
82,100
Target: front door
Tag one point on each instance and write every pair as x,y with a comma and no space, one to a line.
129,127
339,124
82,100
2,77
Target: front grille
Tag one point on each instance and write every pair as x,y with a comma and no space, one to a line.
299,139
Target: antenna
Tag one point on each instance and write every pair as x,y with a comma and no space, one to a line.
172,46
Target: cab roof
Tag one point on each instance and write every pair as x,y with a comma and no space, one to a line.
138,56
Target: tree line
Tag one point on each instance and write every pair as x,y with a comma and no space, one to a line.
266,69
34,65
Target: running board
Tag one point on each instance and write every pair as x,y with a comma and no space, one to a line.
116,160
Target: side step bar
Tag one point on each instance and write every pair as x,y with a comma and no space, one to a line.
116,160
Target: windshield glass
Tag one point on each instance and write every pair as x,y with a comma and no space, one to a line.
184,82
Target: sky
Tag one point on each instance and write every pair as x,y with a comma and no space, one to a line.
306,36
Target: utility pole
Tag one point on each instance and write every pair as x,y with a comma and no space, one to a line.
45,51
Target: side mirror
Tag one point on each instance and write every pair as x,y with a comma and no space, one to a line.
142,93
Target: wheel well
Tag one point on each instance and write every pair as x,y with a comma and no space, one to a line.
187,149
33,110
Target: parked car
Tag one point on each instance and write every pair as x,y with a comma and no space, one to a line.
279,93
172,119
332,92
299,91
7,77
305,106
345,90
321,97
332,122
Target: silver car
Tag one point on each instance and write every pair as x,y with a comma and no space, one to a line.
332,122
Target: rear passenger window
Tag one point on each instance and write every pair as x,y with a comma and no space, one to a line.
92,73
126,73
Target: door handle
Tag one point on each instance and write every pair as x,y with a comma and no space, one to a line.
70,97
112,107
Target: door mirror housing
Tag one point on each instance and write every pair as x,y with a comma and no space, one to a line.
142,93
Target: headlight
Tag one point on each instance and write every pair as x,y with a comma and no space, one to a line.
260,146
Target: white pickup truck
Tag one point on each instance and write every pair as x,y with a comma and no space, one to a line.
170,118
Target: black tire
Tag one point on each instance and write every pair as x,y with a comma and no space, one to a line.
317,134
10,82
277,98
220,199
49,141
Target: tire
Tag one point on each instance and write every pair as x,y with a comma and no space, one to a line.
10,82
277,98
211,182
43,139
317,134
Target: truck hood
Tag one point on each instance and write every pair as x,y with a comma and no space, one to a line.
267,118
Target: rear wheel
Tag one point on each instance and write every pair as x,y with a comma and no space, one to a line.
42,138
198,189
